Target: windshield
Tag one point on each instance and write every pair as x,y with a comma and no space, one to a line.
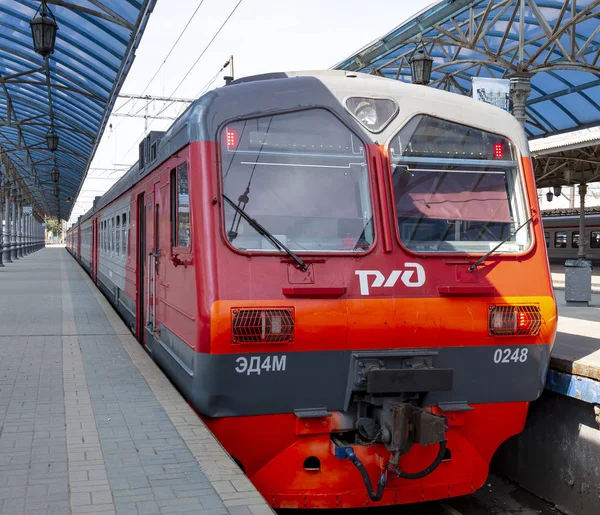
456,188
303,176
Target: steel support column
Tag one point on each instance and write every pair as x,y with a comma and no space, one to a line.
29,217
7,228
20,228
520,87
578,272
581,244
25,235
1,230
25,239
13,228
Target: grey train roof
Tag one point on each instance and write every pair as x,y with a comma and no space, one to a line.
593,210
261,95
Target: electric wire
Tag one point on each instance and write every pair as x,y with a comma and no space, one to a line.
189,71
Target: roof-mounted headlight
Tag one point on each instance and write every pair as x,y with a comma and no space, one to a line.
373,113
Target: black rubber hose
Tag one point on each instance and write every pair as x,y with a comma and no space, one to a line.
428,470
374,496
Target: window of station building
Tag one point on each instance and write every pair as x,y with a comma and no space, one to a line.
124,234
118,236
457,188
595,240
306,180
547,236
560,240
180,207
575,240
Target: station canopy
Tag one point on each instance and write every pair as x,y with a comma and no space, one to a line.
556,42
69,93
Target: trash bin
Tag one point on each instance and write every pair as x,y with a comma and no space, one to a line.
578,280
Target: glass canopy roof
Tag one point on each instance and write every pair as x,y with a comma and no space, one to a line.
73,91
557,42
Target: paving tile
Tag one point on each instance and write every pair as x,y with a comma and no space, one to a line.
90,425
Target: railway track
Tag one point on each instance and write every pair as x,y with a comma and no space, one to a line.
497,497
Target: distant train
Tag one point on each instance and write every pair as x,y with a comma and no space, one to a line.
345,275
561,231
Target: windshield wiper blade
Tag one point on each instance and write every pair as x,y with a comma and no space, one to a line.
484,257
263,232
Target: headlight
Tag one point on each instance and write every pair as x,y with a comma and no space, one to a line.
366,114
373,113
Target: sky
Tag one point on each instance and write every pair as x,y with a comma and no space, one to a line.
262,35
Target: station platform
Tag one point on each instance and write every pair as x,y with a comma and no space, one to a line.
575,363
88,423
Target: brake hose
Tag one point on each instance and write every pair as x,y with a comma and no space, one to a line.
424,472
374,496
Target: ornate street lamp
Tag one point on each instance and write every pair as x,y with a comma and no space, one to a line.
43,30
420,67
52,140
556,191
54,175
549,196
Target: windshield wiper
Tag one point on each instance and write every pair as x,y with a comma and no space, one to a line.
483,258
263,232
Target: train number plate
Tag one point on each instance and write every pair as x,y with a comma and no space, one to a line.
511,355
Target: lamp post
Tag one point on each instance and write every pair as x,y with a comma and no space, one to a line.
420,67
43,31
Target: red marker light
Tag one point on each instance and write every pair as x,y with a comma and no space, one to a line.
524,322
231,138
498,151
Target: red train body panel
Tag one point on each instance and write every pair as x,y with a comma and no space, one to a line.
378,362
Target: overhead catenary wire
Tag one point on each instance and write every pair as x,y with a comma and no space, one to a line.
206,48
191,18
188,72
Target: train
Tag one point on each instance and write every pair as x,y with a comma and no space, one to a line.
561,231
345,276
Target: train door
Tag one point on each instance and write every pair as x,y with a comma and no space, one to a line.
141,269
146,267
94,250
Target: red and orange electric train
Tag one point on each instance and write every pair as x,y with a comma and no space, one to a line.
345,275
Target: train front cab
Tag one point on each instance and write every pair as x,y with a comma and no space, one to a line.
383,339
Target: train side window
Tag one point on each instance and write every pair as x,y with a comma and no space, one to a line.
180,207
547,236
575,240
560,240
128,230
595,240
118,236
124,234
112,234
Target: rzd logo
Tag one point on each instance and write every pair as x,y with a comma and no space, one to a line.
406,276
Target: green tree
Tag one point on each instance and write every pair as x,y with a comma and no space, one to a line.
54,225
